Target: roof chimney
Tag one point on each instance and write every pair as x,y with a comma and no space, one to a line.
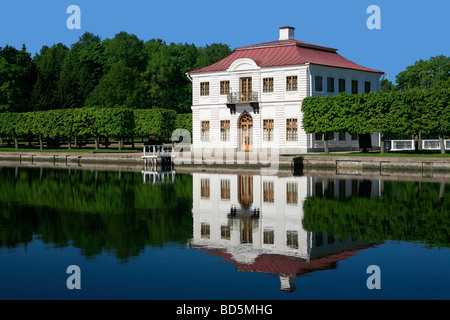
286,33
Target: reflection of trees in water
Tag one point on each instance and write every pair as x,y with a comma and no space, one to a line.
406,211
94,211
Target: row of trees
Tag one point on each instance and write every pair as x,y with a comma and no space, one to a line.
74,124
123,71
419,112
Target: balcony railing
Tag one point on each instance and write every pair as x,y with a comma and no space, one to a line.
243,97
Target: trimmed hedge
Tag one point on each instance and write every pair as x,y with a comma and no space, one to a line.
93,122
154,122
393,114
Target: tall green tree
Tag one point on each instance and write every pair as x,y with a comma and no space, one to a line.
126,49
17,77
165,74
120,87
387,86
82,70
425,74
211,54
46,94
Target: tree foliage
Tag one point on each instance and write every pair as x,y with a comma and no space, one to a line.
155,122
391,113
120,87
17,76
46,94
426,74
122,71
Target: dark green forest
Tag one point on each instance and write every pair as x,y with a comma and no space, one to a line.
124,71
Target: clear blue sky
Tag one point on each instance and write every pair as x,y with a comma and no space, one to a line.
410,30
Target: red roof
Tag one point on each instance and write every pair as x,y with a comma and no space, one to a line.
285,53
280,264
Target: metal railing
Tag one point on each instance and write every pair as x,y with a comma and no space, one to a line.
158,151
243,97
428,144
434,144
397,145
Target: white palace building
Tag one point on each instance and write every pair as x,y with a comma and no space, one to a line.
251,100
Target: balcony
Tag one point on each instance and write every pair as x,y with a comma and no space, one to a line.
242,97
250,97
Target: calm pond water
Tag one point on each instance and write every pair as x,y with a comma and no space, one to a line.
220,236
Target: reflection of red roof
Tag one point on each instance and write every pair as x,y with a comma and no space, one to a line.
285,53
280,264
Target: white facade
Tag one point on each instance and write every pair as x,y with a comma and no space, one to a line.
277,105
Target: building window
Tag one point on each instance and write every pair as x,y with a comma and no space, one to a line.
319,239
268,85
204,88
318,136
205,131
329,136
291,83
224,87
268,129
246,230
291,129
291,193
268,236
318,85
367,86
341,136
225,130
341,85
205,230
268,192
330,85
292,239
225,232
225,189
354,136
204,188
354,86
330,239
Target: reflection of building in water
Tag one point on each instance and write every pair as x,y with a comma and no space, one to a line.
256,222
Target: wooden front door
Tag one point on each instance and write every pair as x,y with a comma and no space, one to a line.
246,89
246,132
